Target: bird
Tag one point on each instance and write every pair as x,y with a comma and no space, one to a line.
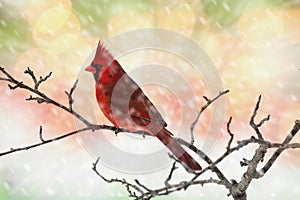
126,106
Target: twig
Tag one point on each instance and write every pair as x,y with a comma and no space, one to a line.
253,124
170,174
18,84
263,121
128,185
10,78
4,79
144,187
43,142
41,134
43,79
203,108
69,94
37,99
34,79
230,134
181,163
176,187
31,74
13,150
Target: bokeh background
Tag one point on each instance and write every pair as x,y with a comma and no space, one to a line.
255,46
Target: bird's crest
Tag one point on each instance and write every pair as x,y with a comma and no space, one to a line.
102,57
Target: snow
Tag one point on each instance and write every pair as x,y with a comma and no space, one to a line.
226,6
3,22
203,20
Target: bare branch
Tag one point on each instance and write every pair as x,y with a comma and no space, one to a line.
263,121
25,148
34,79
277,153
131,188
69,94
181,163
170,174
18,84
41,134
203,108
41,97
31,74
253,124
37,99
138,190
292,146
176,187
4,79
241,187
10,78
206,99
211,166
43,79
230,134
144,187
43,142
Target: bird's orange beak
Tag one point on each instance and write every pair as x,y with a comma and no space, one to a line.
90,68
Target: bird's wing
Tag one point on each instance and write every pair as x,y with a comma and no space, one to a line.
128,97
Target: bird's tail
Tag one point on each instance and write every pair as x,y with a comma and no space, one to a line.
166,138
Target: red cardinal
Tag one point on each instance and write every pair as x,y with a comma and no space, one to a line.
124,103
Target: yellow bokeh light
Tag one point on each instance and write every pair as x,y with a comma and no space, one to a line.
180,18
34,9
259,28
61,43
52,20
129,21
56,39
